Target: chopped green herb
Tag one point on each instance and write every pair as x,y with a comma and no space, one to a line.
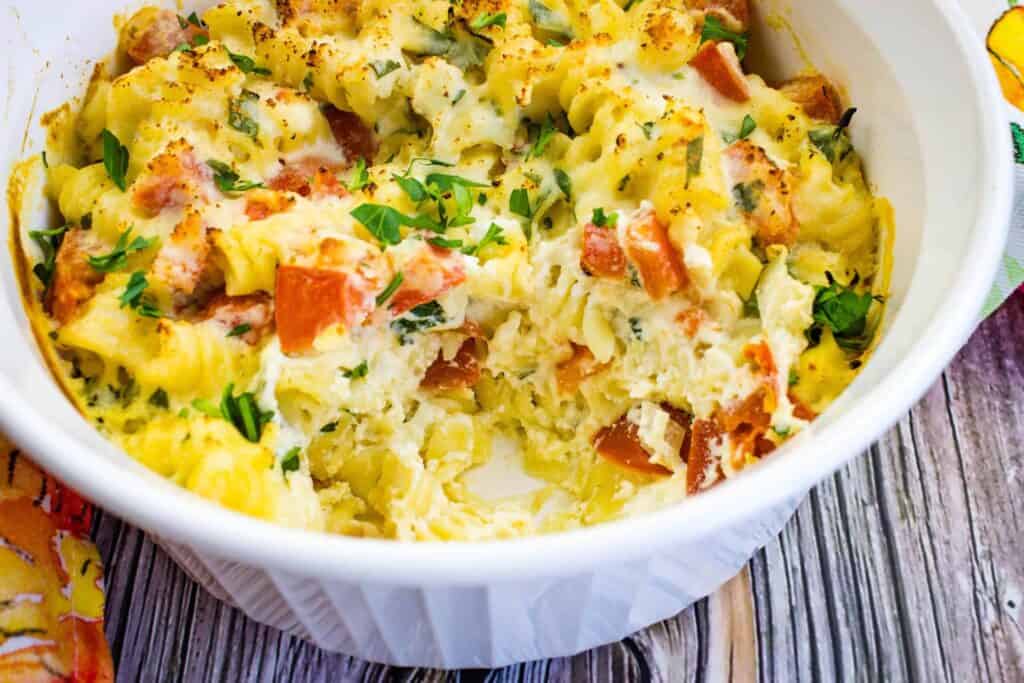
648,128
629,5
239,330
623,182
49,242
748,126
133,298
547,19
412,187
358,372
248,64
228,180
195,21
748,195
519,203
494,235
383,222
384,67
547,131
159,399
781,431
445,182
390,290
200,40
444,243
238,119
694,158
485,19
601,220
751,308
115,159
553,42
329,427
290,462
794,378
307,82
833,141
564,183
118,258
243,412
458,96
714,30
420,318
845,312
636,328
206,407
360,176
634,275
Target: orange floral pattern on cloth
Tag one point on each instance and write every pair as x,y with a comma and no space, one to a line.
51,580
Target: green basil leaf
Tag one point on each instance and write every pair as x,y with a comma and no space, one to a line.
115,159
390,290
485,19
714,30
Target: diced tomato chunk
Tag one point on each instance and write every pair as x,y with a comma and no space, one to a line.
74,280
718,64
703,434
602,256
571,373
309,300
733,13
310,177
428,275
816,96
659,264
171,180
354,136
153,32
620,443
260,204
762,193
255,311
462,370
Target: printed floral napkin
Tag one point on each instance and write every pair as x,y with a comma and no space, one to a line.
51,576
1004,39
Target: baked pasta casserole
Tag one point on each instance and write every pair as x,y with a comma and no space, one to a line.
451,269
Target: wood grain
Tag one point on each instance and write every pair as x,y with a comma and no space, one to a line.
905,566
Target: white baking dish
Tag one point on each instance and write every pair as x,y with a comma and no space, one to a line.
932,131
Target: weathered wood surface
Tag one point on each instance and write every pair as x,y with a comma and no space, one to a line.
904,566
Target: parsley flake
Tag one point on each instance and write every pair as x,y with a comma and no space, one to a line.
390,290
115,159
248,64
383,67
290,462
485,19
132,296
358,372
239,330
227,179
715,30
118,258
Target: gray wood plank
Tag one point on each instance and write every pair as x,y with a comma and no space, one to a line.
903,566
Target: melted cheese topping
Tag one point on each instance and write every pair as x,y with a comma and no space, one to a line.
580,108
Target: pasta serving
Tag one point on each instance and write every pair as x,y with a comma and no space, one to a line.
476,269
